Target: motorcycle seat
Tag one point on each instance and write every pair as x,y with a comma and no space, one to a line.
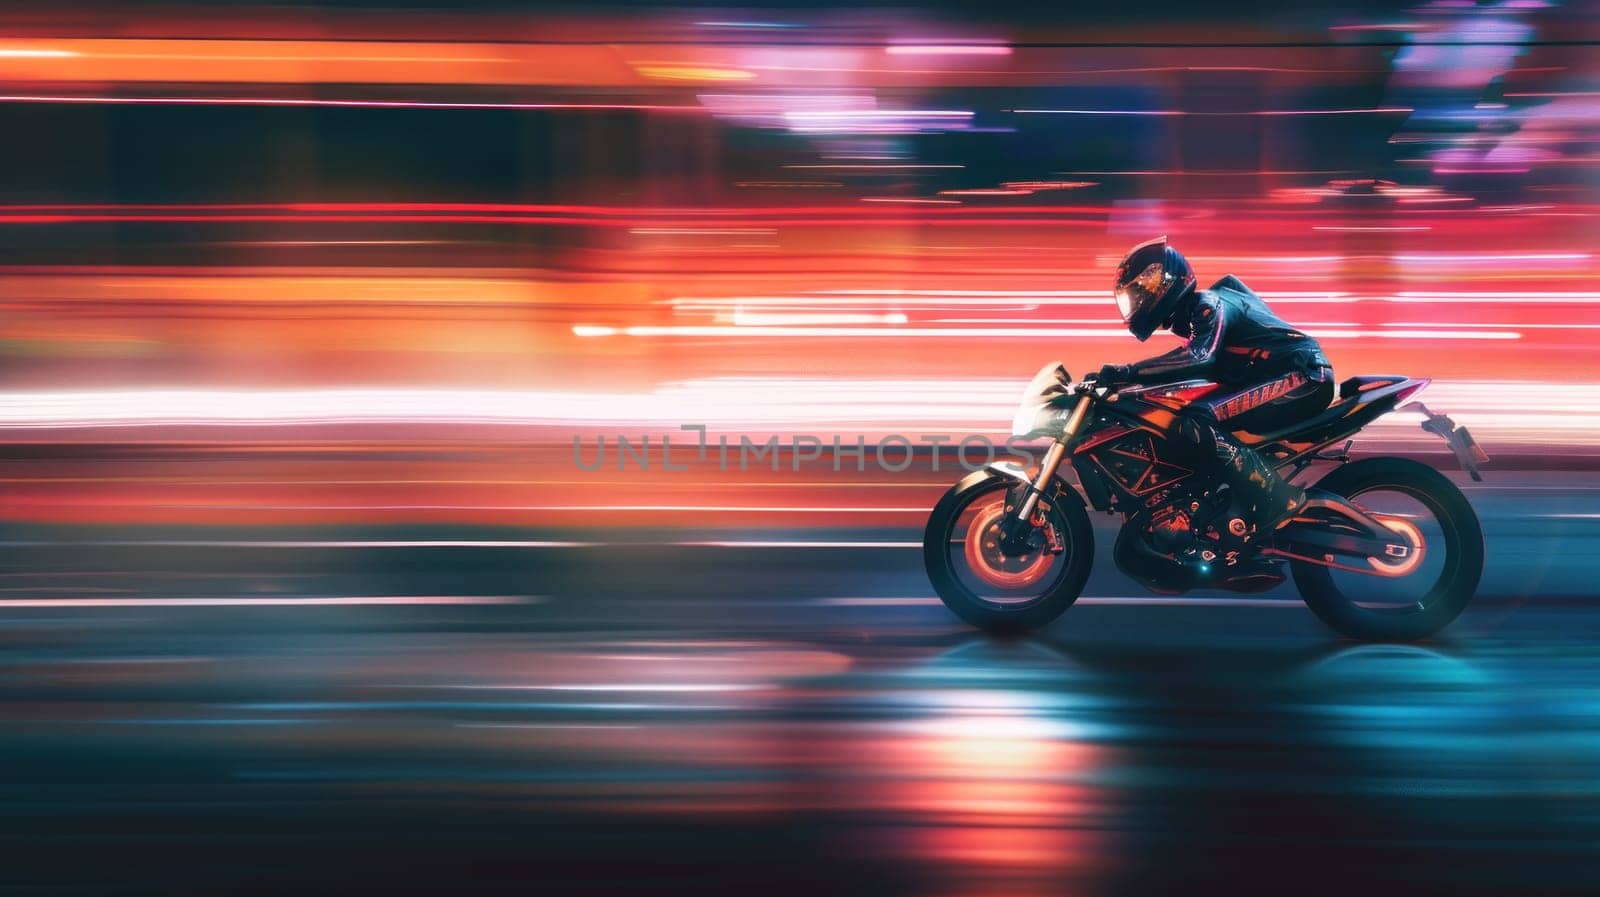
1361,400
1331,415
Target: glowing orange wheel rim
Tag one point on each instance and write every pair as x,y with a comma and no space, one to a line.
1413,537
989,564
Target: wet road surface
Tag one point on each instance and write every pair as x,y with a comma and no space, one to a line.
463,710
867,748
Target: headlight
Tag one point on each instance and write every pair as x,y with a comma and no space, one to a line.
1043,419
1022,426
1035,414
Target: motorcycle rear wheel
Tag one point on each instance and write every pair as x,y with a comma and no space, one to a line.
1460,535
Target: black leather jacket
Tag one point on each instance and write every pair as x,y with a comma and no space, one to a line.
1232,337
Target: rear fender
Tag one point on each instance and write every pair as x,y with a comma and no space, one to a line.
1461,443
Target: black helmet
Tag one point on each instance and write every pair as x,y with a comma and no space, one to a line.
1151,280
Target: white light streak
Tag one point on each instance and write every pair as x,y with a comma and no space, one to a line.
770,319
934,49
806,114
1562,411
713,330
1498,297
652,687
1452,258
16,53
1022,331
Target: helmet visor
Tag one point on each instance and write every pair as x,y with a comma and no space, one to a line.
1143,290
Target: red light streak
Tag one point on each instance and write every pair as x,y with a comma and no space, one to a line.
987,191
349,103
1366,229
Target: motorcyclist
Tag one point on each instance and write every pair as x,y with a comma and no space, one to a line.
1272,374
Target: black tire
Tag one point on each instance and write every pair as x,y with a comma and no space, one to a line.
1071,520
1458,579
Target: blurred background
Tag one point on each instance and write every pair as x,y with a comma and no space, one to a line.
305,306
273,229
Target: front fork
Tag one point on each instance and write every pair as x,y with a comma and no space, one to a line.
1017,526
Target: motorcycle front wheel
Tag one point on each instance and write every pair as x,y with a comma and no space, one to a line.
999,593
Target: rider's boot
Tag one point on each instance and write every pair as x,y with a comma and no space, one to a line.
1270,501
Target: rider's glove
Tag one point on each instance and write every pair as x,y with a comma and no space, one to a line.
1115,375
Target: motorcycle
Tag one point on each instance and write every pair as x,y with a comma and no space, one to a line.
1384,548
